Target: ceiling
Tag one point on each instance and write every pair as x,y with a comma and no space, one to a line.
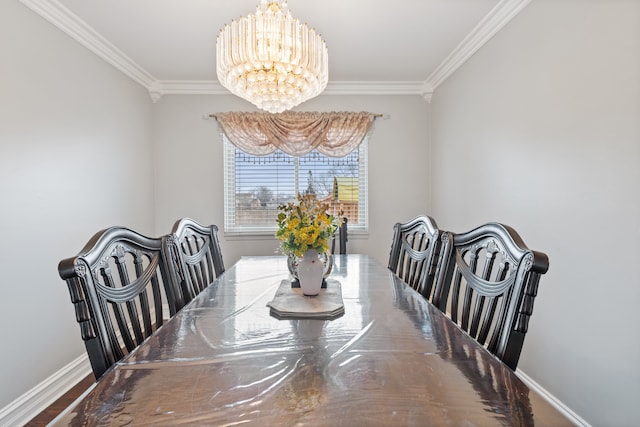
169,45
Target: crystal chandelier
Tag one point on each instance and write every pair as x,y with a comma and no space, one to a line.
271,59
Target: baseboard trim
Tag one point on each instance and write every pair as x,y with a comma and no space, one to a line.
30,404
564,409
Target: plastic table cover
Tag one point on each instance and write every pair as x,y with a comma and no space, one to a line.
391,359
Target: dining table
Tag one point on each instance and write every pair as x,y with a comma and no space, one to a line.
383,356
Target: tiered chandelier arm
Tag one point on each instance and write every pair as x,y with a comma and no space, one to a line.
271,59
333,134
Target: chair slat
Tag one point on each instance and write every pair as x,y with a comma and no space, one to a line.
487,319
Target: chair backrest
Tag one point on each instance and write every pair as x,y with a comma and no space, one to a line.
342,238
414,253
196,257
122,293
486,283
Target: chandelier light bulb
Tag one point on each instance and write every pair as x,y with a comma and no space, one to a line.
271,59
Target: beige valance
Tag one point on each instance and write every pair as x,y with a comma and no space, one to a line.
334,134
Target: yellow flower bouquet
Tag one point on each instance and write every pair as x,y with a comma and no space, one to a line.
305,224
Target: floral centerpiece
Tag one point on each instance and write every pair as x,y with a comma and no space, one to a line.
305,229
305,225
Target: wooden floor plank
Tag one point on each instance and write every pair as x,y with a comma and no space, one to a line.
44,417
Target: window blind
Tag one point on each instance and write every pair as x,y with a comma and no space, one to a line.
256,185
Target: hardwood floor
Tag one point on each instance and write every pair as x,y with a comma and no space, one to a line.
44,417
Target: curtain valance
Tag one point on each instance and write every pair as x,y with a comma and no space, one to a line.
333,134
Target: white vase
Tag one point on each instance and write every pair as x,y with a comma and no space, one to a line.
326,258
310,272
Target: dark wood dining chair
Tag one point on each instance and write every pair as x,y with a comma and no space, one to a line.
342,238
196,257
122,292
414,253
486,283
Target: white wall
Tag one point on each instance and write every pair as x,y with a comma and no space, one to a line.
541,130
75,157
189,176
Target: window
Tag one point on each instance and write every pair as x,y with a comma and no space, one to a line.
256,185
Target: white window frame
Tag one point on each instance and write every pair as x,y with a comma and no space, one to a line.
230,228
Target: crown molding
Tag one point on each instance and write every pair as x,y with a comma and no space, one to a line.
71,24
380,88
497,18
212,87
374,88
190,87
185,87
54,12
